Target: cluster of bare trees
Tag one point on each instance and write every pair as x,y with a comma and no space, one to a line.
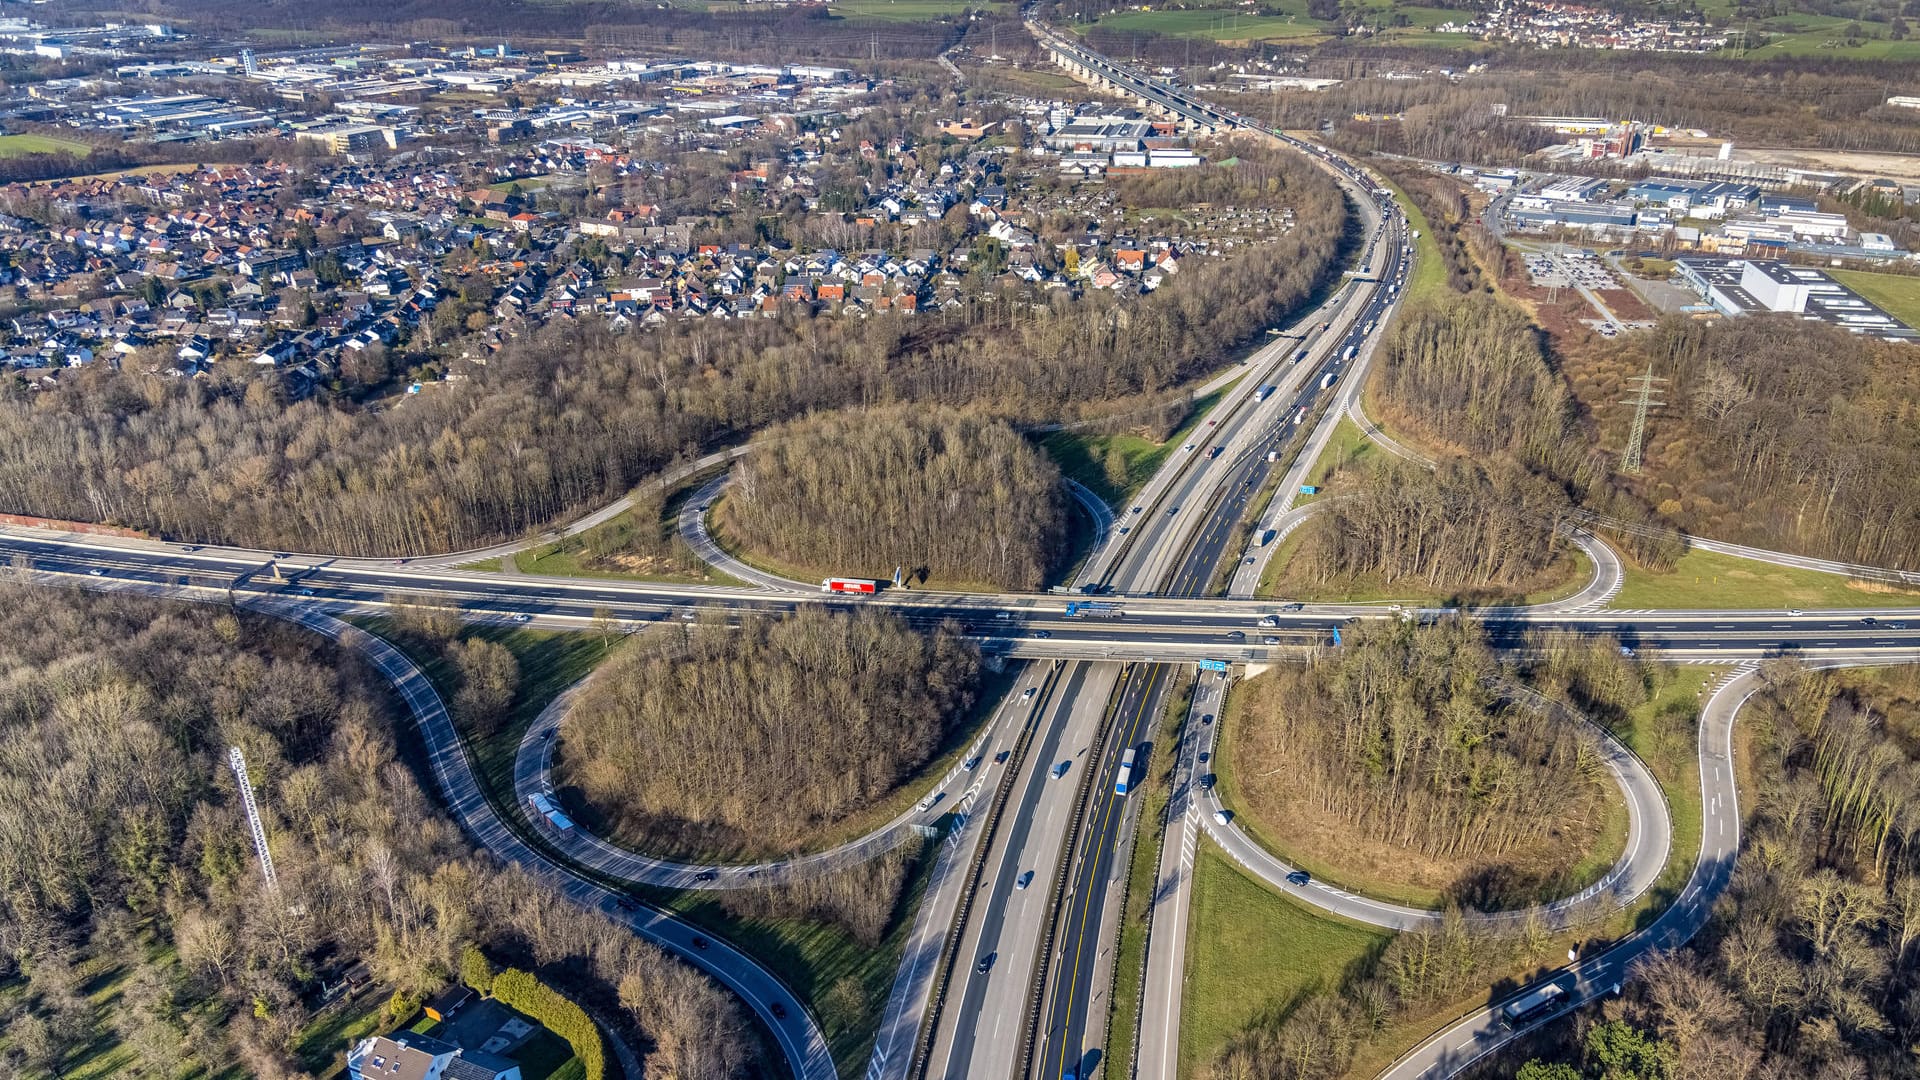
572,415
859,899
122,848
1769,445
948,495
1403,738
1480,529
1472,372
1809,967
750,739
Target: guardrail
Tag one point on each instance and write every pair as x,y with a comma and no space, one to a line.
1037,986
1153,894
950,950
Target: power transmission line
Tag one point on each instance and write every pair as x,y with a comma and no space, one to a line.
1642,386
238,763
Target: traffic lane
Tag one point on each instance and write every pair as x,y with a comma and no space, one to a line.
1070,997
974,610
1198,630
989,1007
1161,993
1229,430
1669,630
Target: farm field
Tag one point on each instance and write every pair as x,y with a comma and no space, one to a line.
21,145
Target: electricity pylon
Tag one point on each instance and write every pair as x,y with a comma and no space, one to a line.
1642,400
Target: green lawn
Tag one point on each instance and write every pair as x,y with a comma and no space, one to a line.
1349,446
1829,39
1252,953
1675,763
1705,579
1418,18
21,145
574,557
1083,457
1429,276
1896,294
322,1046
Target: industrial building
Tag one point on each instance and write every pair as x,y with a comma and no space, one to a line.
1100,134
1735,287
1695,198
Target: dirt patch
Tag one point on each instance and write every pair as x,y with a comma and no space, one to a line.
1857,163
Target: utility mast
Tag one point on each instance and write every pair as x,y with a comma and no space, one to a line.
238,763
1642,400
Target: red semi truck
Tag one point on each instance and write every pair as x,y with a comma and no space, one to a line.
861,586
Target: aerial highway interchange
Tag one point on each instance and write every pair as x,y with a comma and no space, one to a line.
1011,951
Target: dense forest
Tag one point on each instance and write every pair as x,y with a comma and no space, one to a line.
1474,532
1760,444
1809,967
949,496
124,858
1471,373
747,741
1403,738
573,416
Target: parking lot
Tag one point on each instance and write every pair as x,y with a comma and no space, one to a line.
1569,269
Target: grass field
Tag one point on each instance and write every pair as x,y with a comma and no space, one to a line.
1252,953
573,556
1896,294
1290,23
1826,36
1083,457
1705,579
21,145
1349,446
1677,767
1429,277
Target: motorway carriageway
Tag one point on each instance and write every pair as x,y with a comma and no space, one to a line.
1073,1031
1193,627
